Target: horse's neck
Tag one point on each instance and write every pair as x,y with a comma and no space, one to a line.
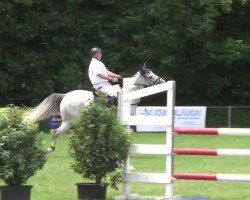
117,88
128,84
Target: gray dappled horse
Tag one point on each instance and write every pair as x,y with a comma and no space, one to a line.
70,105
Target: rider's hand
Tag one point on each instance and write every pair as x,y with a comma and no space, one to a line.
119,77
114,80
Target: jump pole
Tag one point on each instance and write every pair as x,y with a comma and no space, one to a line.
213,131
213,177
211,152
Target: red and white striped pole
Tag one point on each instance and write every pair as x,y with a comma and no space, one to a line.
212,152
213,177
213,131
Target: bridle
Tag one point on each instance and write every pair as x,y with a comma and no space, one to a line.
148,81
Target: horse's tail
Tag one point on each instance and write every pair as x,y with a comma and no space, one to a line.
49,106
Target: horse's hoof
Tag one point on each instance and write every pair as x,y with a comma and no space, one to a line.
51,149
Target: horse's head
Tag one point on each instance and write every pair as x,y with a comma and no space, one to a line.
145,77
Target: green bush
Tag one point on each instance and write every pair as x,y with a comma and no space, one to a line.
99,145
21,151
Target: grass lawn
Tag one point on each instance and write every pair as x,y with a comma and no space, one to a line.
56,181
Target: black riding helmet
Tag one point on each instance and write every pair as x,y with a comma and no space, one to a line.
94,50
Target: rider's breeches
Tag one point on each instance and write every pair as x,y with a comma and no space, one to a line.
108,89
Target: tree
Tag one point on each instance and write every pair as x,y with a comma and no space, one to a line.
202,44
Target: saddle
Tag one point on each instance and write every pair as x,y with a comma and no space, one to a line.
109,101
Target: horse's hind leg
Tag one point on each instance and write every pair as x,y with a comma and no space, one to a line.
64,127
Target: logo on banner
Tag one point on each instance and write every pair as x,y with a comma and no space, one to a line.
184,116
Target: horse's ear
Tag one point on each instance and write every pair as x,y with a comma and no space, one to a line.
143,67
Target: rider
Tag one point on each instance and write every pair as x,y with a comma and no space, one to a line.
100,76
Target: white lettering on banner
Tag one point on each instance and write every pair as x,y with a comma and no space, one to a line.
185,116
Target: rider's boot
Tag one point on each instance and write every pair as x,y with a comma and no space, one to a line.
111,101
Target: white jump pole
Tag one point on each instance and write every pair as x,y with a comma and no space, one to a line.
125,98
213,131
169,191
124,112
213,177
211,152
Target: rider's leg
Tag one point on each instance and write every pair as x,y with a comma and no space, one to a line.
112,95
113,101
108,90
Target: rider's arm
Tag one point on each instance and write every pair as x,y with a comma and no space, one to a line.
113,75
107,77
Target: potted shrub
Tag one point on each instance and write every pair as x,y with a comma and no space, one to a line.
21,154
98,147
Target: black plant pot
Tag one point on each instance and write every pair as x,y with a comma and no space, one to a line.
91,191
22,192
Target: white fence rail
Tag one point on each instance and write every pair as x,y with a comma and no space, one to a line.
124,114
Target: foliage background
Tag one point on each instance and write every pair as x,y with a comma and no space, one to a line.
202,44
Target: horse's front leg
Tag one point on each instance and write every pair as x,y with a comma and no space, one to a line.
64,127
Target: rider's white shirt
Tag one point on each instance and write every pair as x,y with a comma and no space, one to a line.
97,67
